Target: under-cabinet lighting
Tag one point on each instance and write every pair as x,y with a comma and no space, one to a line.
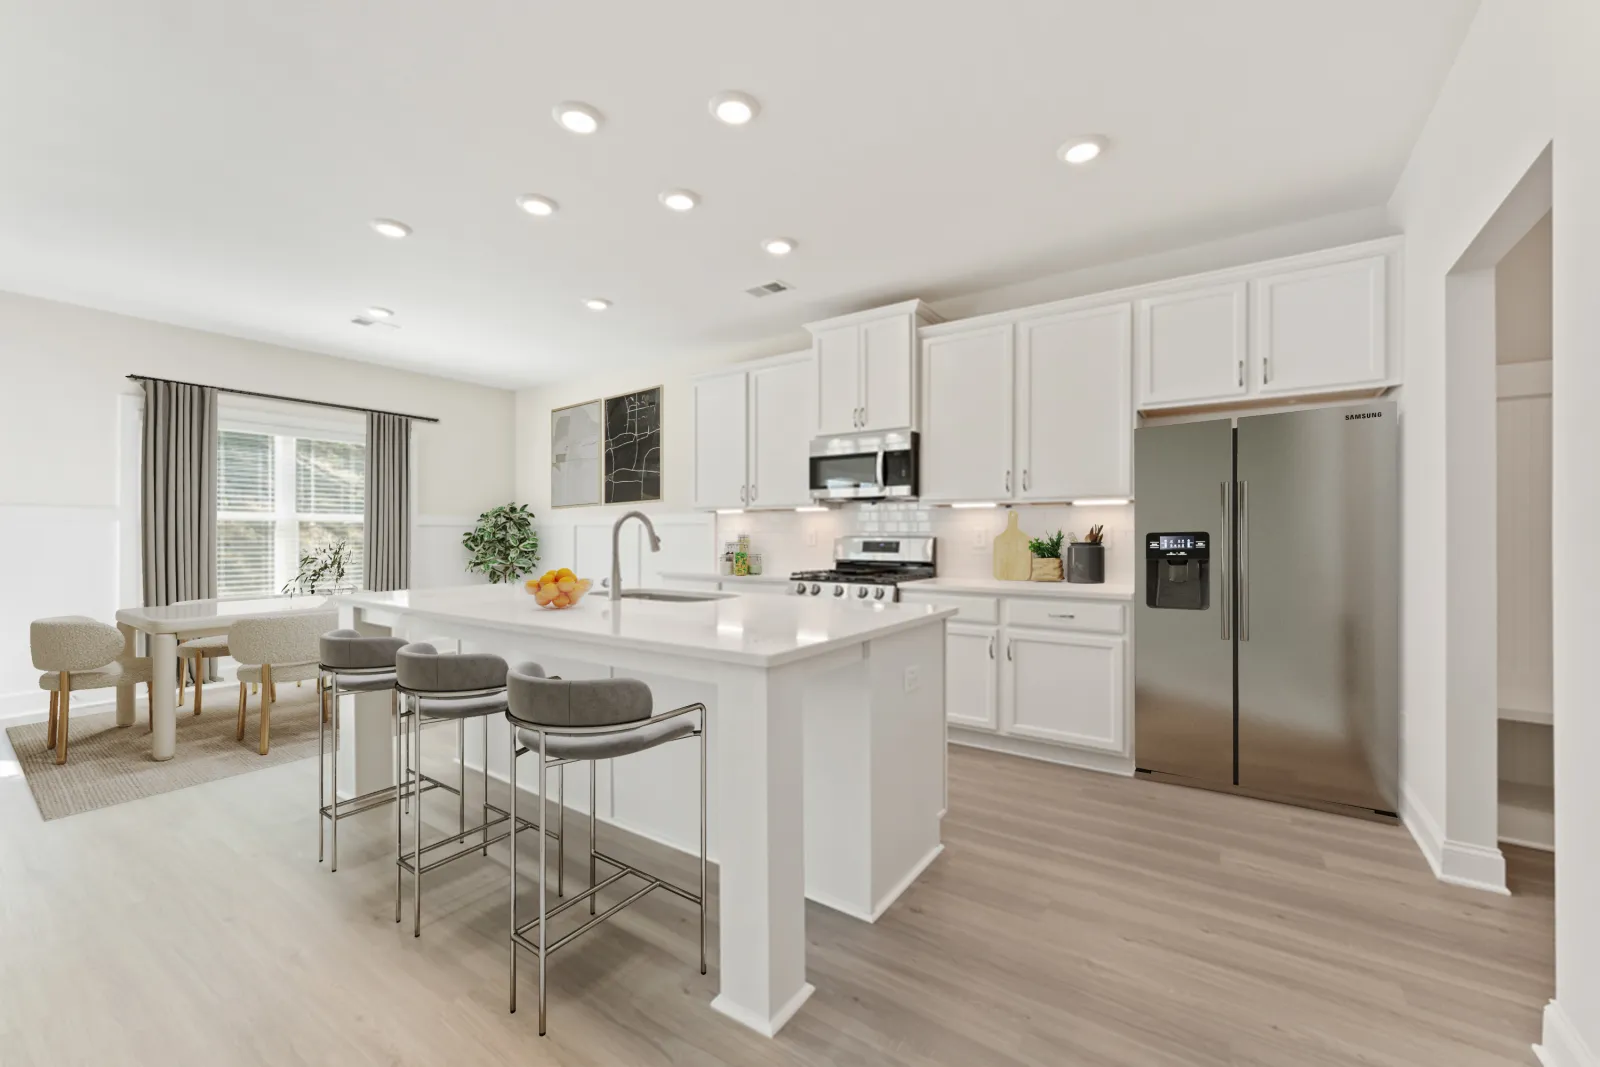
976,504
810,510
1100,502
730,511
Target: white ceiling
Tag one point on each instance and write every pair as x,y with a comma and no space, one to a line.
214,163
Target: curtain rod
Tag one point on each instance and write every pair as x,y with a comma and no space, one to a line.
289,399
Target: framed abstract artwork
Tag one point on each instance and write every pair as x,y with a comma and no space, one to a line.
575,455
633,447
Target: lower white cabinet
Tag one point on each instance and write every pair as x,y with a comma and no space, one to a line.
1064,687
970,658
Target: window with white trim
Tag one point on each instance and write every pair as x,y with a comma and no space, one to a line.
287,483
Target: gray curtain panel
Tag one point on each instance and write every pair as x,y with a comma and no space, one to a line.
388,501
178,493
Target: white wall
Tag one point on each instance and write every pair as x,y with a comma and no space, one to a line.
1525,76
68,508
1522,299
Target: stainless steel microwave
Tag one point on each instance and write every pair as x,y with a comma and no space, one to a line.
869,466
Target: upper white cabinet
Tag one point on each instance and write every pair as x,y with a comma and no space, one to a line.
1075,405
1193,345
1321,329
967,401
866,369
752,435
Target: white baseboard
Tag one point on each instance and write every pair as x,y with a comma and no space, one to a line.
1453,862
764,1027
17,709
1104,762
1563,1046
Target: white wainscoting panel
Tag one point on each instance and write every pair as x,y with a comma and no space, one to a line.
437,558
1526,615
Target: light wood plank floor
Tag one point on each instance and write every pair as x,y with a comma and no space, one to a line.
1074,919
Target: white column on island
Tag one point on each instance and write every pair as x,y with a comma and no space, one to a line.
762,882
366,727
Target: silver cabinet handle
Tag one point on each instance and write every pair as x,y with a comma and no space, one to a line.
1266,370
742,492
991,648
1244,561
1241,374
1054,615
1227,547
1024,479
1008,483
1009,656
752,492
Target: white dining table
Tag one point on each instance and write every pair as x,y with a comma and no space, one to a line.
165,627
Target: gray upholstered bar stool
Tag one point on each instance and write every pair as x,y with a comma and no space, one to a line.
441,688
565,722
351,663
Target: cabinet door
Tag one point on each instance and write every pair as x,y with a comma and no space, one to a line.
838,353
720,434
1064,687
886,377
780,434
971,653
1192,346
1322,329
966,416
1075,405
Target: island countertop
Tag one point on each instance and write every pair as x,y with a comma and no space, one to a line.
765,631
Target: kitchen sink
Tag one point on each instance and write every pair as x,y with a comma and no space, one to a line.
672,596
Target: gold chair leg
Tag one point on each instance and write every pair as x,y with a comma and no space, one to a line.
199,681
268,692
239,733
183,669
50,731
61,725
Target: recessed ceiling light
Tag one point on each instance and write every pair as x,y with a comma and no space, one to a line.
734,108
577,117
778,246
1080,150
679,199
391,228
534,204
595,303
379,313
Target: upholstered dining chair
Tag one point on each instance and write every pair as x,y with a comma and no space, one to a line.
78,653
277,648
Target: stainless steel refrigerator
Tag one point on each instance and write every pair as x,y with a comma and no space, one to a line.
1266,639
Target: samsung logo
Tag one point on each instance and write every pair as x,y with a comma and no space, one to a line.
1364,415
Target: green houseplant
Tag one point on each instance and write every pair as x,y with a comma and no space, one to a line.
503,545
1046,564
322,569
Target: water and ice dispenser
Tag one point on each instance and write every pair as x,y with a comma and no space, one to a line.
1178,570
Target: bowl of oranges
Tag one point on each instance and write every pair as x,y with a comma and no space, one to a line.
557,589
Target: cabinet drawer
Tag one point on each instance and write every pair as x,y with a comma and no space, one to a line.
1098,616
969,608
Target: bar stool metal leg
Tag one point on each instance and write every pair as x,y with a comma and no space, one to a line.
461,759
416,841
594,817
322,777
334,801
513,735
400,774
542,915
702,840
486,786
561,830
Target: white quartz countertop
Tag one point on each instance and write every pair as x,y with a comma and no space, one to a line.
735,579
199,615
762,631
992,587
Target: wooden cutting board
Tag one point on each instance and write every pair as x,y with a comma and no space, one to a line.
1012,560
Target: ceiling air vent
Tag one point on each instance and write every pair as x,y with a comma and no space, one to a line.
771,288
362,320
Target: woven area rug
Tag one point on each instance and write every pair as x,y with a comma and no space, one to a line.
109,765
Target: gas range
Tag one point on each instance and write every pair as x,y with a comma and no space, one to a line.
869,568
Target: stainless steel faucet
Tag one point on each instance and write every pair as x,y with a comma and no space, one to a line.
616,557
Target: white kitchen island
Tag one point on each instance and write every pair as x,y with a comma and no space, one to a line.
826,743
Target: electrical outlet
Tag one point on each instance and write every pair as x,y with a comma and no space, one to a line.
913,679
979,540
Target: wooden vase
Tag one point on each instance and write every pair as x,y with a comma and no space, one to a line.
1045,570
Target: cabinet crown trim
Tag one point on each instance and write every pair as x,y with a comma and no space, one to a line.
925,314
747,365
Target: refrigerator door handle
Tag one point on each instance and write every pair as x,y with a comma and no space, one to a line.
1222,571
1244,561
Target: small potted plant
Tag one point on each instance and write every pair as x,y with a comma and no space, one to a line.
503,545
1046,563
322,570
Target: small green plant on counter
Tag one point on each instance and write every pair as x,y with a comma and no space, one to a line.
1047,547
503,545
321,570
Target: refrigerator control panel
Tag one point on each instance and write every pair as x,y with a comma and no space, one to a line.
1177,546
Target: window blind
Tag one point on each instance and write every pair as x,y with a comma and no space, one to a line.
330,477
244,471
246,558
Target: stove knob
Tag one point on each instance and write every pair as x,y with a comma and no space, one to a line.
816,590
878,593
838,590
862,592
801,589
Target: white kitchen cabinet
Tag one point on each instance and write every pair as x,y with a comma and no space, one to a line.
752,434
970,660
1192,346
866,369
967,402
1074,405
1321,329
721,435
1064,687
780,405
